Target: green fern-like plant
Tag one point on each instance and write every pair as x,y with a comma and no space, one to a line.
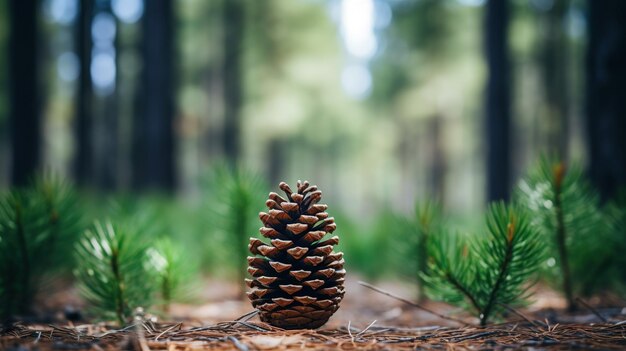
38,226
113,275
566,211
486,273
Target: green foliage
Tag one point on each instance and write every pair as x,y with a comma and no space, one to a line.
410,236
367,246
566,211
611,268
146,215
172,271
433,26
234,199
22,238
113,275
182,222
38,226
65,219
486,273
426,223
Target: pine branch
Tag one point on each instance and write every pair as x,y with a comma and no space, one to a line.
561,236
449,271
170,264
63,219
118,280
566,209
37,228
491,272
427,215
113,275
463,289
410,238
503,273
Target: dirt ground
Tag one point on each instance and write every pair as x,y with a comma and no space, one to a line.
366,320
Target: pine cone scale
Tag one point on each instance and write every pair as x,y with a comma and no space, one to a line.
297,282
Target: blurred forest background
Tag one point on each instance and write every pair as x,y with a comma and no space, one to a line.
378,102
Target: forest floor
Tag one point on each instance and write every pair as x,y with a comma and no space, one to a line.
366,320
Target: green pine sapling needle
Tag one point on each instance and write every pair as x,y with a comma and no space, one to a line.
566,211
113,275
561,235
237,196
482,273
37,227
171,271
427,216
23,250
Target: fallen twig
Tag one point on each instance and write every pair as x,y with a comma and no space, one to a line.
237,343
235,335
247,316
411,303
167,330
520,314
590,308
366,329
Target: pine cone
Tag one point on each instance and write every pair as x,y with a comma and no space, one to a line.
297,280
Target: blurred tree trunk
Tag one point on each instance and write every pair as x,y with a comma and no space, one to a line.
498,101
104,134
153,129
555,65
233,21
606,95
84,114
276,157
24,115
437,159
108,161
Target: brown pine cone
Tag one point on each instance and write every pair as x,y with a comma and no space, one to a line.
297,279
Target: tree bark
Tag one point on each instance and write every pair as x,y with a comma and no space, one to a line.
84,115
153,129
276,157
555,65
606,95
24,115
104,131
437,159
498,112
233,19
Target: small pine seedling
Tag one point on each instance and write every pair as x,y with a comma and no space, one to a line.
485,274
425,225
373,241
20,250
64,218
566,209
38,226
170,270
113,275
612,264
236,195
